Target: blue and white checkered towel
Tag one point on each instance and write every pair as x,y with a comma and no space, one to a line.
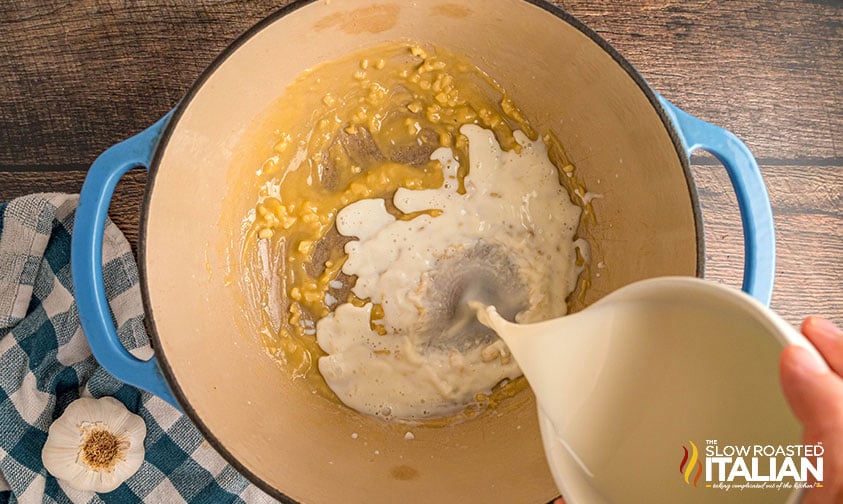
45,363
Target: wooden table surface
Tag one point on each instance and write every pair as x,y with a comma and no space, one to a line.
78,76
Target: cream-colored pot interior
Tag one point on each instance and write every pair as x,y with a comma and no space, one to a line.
298,444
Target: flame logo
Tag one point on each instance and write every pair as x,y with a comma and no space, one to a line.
686,467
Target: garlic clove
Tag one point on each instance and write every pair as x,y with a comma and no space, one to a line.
95,445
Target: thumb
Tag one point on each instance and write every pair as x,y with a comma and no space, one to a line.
814,393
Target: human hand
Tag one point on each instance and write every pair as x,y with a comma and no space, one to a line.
814,390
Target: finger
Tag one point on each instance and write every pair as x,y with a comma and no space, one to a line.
814,393
828,339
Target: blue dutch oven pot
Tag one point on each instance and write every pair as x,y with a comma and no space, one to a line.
283,444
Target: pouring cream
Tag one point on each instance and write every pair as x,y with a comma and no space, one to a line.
628,387
513,228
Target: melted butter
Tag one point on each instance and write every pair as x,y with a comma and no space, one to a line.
366,127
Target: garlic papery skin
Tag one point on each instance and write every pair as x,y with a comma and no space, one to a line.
95,445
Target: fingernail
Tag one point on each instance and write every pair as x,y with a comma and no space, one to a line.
808,361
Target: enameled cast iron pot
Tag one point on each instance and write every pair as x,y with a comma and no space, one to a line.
296,445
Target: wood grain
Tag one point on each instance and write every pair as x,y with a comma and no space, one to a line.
79,76
808,212
767,70
125,206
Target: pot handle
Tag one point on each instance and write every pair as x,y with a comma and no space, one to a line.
86,262
759,267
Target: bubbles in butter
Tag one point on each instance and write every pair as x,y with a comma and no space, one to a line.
390,366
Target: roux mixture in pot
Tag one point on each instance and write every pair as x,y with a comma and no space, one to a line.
404,183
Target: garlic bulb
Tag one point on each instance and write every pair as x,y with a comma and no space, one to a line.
96,444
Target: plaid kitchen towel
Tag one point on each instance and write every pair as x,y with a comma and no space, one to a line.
45,364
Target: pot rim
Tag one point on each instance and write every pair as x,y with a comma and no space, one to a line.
149,319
